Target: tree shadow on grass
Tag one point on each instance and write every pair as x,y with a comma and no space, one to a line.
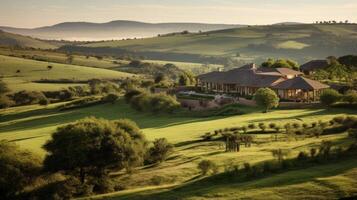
210,184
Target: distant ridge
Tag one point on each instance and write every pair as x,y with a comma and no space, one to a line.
119,29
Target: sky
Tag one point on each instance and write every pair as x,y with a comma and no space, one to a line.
36,13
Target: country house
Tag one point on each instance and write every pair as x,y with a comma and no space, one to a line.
246,80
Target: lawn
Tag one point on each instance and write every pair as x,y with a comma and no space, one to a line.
31,70
31,126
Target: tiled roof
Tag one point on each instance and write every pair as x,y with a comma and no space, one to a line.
300,83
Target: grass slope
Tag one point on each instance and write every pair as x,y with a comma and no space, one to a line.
10,39
31,126
31,70
300,41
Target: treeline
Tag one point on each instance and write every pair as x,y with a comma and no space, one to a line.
80,158
152,55
94,87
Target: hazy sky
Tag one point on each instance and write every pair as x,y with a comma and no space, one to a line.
34,13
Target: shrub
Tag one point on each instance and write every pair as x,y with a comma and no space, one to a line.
111,98
28,98
102,185
287,128
154,102
157,180
272,125
244,129
3,87
207,166
305,125
251,126
338,119
296,125
44,101
329,97
160,151
207,136
280,154
262,126
247,167
350,97
302,156
313,152
277,128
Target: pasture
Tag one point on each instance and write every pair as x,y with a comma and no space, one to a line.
20,74
31,126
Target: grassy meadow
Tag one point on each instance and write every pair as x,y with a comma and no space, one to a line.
20,74
300,42
31,126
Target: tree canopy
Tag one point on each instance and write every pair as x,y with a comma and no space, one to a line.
266,98
281,63
93,146
18,168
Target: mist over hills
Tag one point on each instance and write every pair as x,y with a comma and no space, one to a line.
86,31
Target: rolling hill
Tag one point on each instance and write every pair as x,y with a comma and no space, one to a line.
81,31
10,39
298,41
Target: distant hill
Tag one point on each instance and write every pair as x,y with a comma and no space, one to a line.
10,39
85,31
300,42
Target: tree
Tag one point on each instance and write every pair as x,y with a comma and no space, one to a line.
49,67
160,150
93,146
3,87
329,97
207,166
18,168
279,154
160,78
266,98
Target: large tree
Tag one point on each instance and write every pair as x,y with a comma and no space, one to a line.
94,146
266,98
17,169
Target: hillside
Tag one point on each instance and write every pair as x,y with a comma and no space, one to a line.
22,74
10,39
300,42
81,31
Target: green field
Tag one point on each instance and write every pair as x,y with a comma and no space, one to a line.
300,42
31,126
31,70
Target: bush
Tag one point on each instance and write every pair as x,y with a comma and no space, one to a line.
329,97
160,151
157,180
262,126
338,119
155,103
28,98
352,133
350,97
111,98
207,166
44,101
251,126
272,125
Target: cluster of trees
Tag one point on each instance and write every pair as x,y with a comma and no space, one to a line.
145,101
341,69
281,63
325,153
85,153
332,22
330,96
95,87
